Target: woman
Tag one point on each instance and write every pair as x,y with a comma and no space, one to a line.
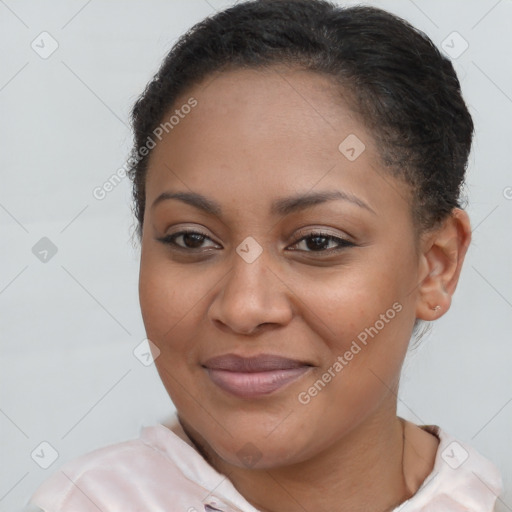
296,169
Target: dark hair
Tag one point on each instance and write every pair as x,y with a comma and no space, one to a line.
403,89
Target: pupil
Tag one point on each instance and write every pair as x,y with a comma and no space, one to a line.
197,240
319,242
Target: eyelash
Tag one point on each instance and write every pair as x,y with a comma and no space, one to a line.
343,243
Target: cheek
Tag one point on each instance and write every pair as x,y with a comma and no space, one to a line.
156,296
163,304
174,301
343,304
166,295
363,316
169,308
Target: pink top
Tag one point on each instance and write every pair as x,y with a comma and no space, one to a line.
161,471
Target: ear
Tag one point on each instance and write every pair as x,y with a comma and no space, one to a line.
442,254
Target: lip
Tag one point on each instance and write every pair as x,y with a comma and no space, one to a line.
250,377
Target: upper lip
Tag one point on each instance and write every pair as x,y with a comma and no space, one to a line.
260,363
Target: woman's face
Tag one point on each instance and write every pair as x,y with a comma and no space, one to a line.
277,159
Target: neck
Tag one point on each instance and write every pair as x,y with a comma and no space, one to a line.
362,471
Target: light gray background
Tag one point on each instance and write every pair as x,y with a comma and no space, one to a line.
69,326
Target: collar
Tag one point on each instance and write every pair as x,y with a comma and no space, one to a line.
172,440
461,478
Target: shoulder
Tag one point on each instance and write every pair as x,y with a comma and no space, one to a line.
122,476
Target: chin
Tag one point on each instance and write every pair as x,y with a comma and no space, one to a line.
256,448
253,455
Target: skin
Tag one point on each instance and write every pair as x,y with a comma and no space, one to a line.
256,136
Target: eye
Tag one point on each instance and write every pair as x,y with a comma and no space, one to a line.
191,240
318,241
315,241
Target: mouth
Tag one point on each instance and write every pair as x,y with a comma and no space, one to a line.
251,377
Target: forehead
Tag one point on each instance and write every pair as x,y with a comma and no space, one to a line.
260,131
276,100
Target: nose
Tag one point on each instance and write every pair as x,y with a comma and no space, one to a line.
252,297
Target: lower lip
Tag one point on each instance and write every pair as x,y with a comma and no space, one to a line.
255,384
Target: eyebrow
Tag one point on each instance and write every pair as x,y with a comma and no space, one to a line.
281,206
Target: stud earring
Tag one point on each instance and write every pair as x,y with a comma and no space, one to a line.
436,308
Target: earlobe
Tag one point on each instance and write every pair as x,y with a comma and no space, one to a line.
443,254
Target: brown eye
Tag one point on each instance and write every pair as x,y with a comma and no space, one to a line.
319,242
190,240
